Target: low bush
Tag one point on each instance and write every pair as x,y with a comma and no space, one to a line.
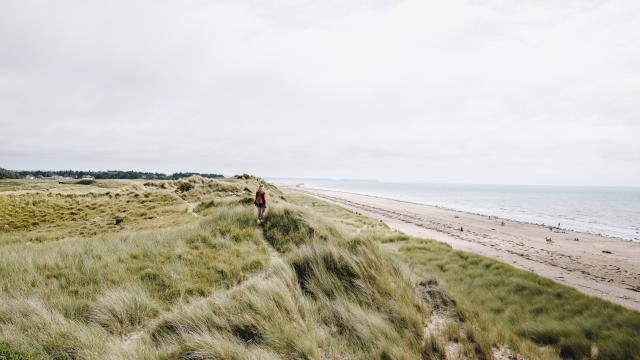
85,182
184,187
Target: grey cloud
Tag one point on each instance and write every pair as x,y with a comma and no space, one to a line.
475,91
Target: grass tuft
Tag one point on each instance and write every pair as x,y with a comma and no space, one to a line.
123,310
7,353
286,229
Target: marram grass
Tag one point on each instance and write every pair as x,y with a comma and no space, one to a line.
181,270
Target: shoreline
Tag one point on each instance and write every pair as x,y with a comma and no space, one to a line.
598,265
613,237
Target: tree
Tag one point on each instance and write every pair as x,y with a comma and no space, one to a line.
8,174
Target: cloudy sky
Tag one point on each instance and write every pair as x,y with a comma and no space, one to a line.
477,91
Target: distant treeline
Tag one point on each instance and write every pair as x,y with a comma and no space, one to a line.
8,174
109,174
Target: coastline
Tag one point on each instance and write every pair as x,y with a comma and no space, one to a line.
598,265
636,240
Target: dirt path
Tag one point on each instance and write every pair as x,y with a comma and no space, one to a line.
191,207
596,265
274,256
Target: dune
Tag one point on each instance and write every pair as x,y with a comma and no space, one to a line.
597,265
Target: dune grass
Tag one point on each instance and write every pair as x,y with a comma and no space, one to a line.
49,210
326,297
78,296
532,315
209,284
203,280
66,211
527,306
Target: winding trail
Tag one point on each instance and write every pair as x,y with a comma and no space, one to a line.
191,207
274,256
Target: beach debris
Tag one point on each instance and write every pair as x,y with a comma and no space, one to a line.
461,229
456,216
607,252
548,239
576,239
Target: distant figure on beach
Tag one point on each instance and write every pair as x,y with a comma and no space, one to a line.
261,203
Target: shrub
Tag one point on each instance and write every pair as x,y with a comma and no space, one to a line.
244,177
185,186
86,182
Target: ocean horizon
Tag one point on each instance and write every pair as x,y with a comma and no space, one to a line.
609,211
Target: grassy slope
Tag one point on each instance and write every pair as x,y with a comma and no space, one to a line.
197,280
186,273
513,307
71,296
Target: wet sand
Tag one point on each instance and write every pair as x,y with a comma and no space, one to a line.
597,265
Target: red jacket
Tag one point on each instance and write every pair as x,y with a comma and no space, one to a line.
261,199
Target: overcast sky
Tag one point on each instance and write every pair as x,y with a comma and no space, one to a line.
478,91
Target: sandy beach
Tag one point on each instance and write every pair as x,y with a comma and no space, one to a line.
597,265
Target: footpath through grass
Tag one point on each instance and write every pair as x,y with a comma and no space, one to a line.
202,284
185,272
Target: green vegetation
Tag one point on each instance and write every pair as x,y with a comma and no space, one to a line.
39,211
86,182
527,306
530,314
103,175
179,269
8,174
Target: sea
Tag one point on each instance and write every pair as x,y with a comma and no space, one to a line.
610,211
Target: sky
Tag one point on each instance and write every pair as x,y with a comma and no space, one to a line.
476,91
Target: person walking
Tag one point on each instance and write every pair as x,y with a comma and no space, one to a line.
261,203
